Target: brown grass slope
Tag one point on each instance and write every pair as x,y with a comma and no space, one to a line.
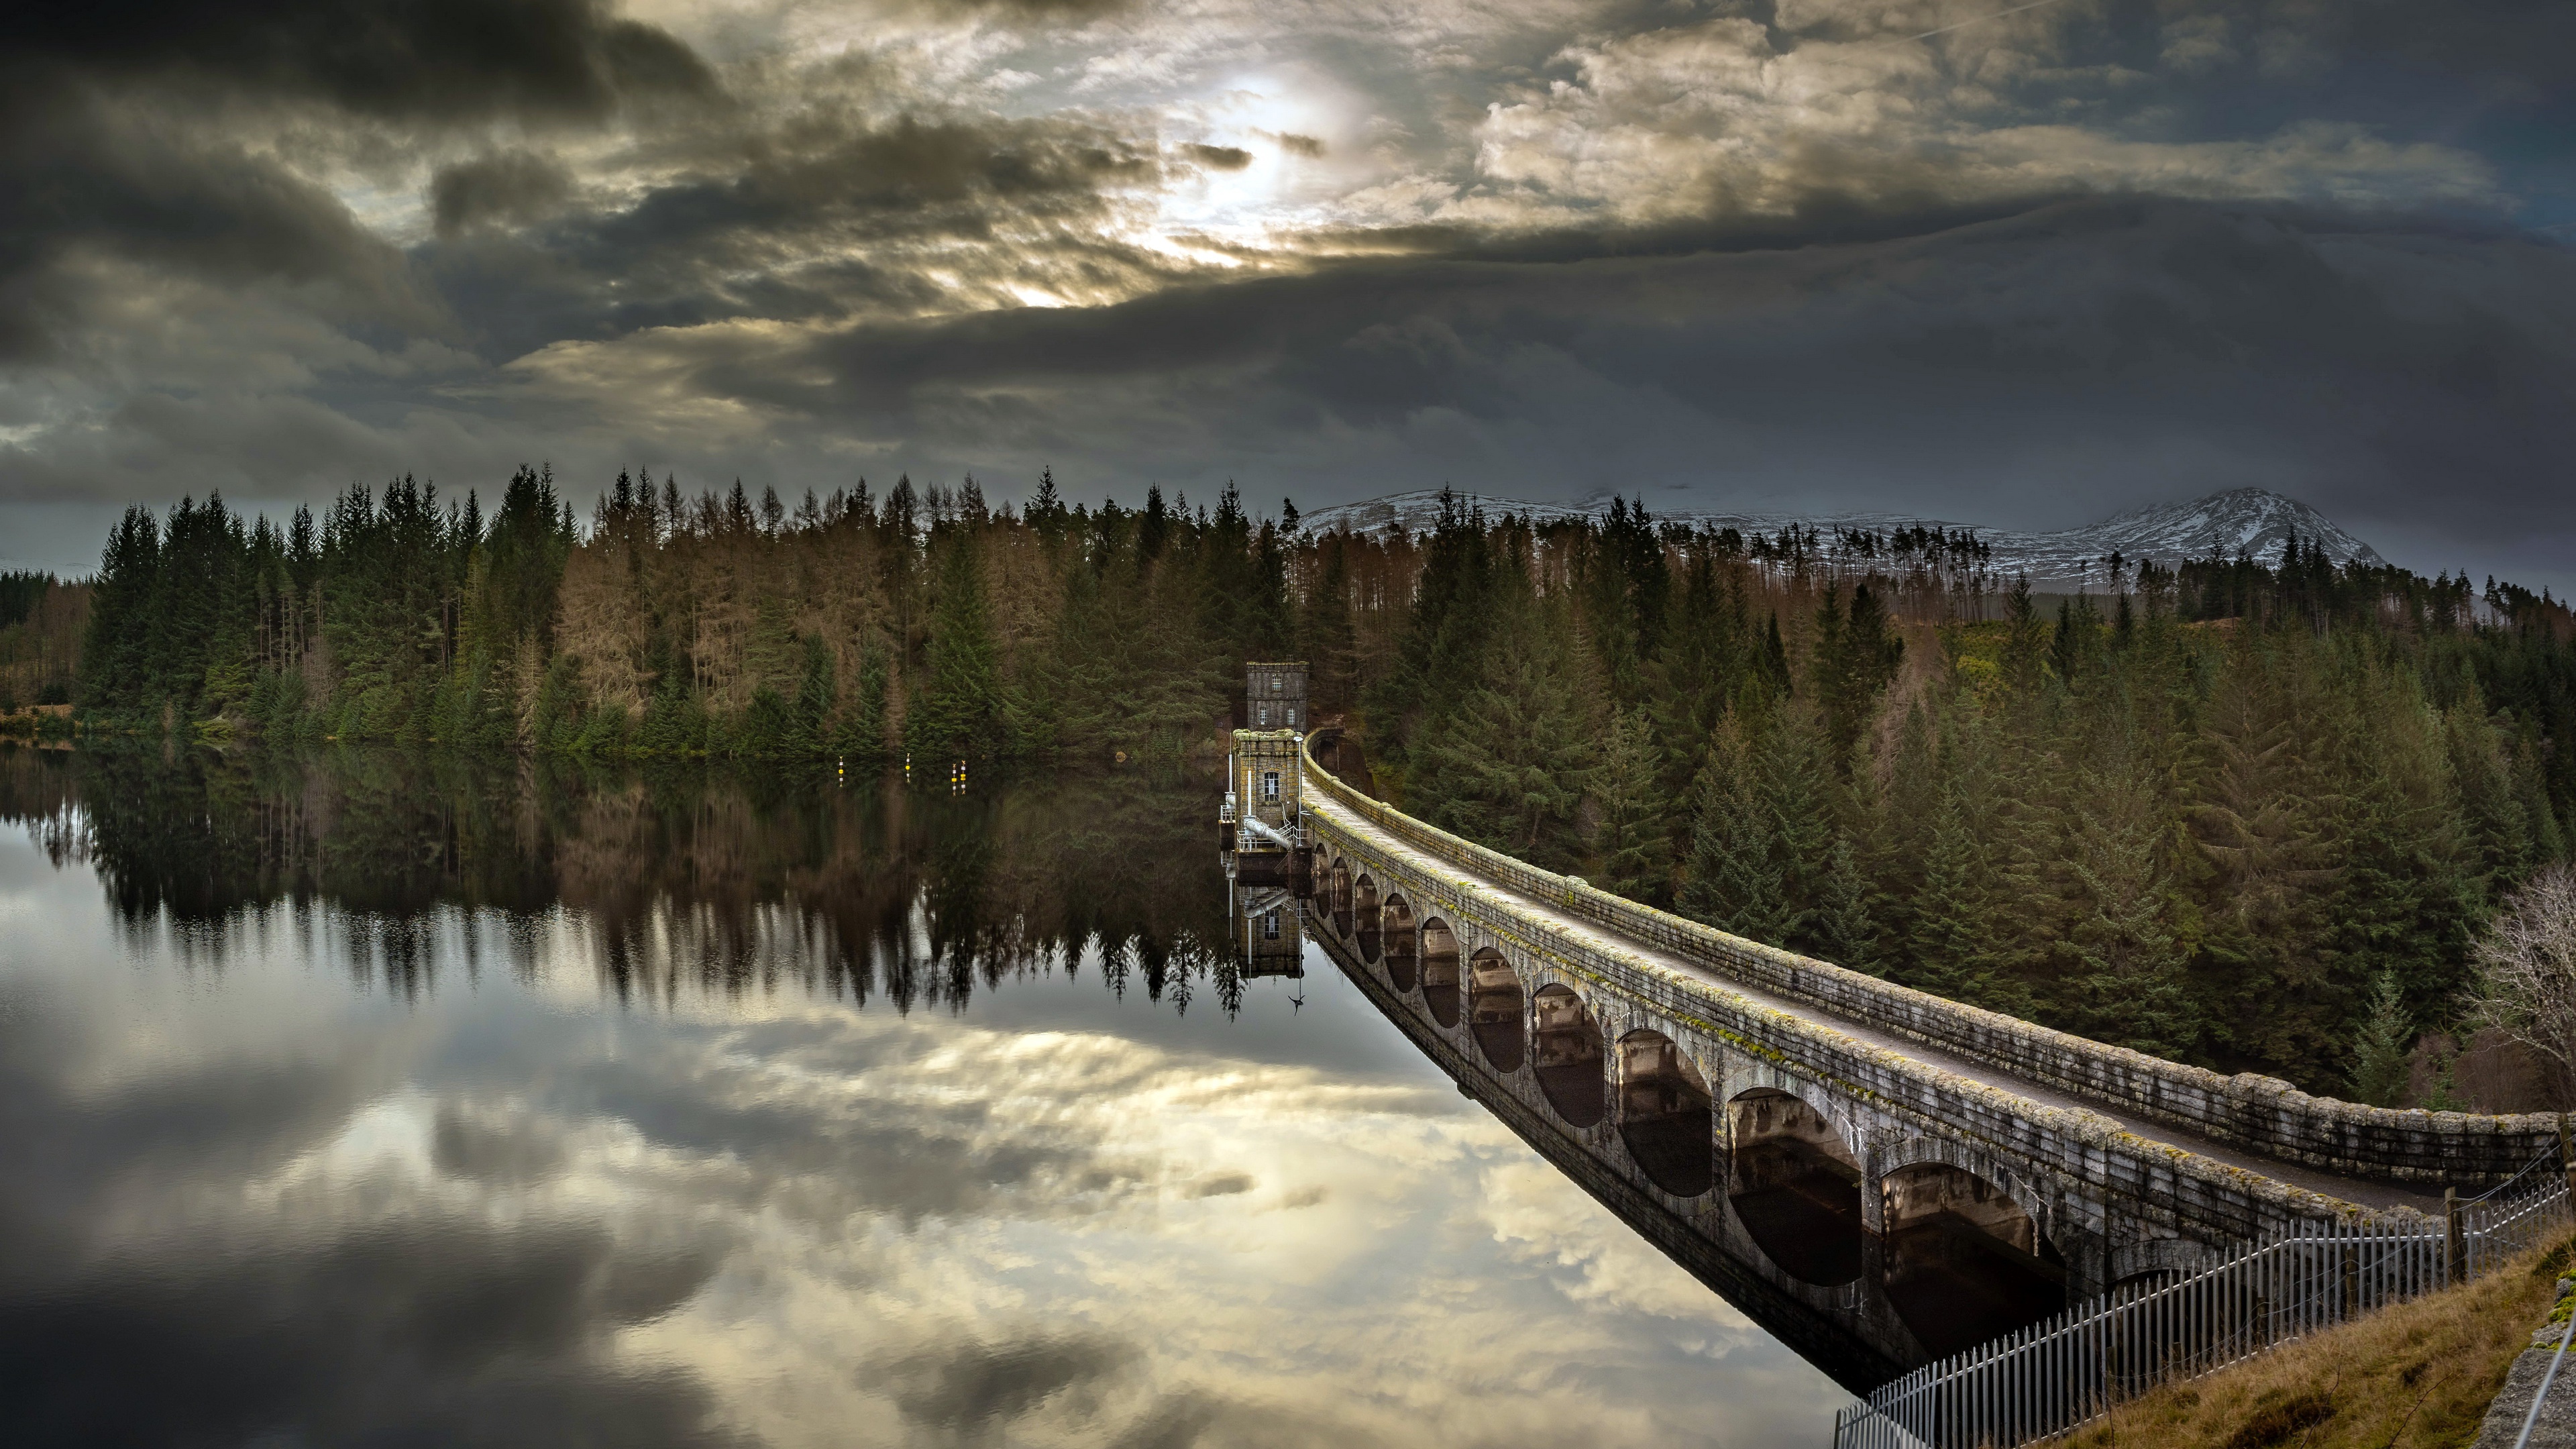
2416,1376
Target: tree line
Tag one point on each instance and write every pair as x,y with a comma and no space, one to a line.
42,622
2240,813
2245,812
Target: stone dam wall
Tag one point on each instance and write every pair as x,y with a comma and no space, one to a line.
2259,1114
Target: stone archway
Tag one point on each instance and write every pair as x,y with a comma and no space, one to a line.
1494,1005
1364,909
1963,1262
1396,933
1795,1185
1665,1114
1440,971
1337,896
1567,1049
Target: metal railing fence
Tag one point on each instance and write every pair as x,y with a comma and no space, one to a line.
2057,1373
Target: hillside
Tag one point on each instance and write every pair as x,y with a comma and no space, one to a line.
2252,521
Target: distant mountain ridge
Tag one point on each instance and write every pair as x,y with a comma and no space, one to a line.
2253,521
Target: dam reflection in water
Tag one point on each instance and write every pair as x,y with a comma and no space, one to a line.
1759,1197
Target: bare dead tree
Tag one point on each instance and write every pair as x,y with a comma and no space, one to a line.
2526,983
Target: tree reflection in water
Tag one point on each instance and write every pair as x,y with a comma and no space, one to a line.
686,875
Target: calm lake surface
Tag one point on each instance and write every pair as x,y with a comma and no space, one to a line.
372,1099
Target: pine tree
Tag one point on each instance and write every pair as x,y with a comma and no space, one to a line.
861,734
1269,615
2259,817
1856,657
2383,1048
1732,882
768,727
2499,828
2406,892
674,723
114,653
2128,963
1325,635
1793,788
817,697
1448,630
2025,639
959,701
1845,931
1954,926
1695,673
1631,839
1896,850
1506,765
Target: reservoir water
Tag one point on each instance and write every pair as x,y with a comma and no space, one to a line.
382,1099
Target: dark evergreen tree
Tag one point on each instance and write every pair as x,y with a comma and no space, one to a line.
955,716
1733,882
1506,766
1632,840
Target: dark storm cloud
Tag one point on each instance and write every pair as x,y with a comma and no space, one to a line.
840,177
122,133
825,215
433,59
2054,364
2512,51
1038,10
1218,158
87,177
509,186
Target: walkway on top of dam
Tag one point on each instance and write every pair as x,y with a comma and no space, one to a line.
2353,1190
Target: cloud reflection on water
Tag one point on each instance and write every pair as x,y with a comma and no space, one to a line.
286,1197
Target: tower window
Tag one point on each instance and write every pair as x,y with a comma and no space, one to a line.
1270,926
1270,786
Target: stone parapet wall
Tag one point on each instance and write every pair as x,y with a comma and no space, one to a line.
2257,1113
2157,1187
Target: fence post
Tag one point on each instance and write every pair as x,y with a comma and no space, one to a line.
2455,1265
2566,1156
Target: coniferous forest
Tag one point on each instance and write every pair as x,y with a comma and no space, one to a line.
2248,813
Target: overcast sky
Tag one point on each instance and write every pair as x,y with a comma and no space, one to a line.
2023,267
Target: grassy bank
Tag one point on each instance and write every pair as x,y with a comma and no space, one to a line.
2416,1376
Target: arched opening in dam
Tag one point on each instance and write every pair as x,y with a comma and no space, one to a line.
1568,1055
1795,1187
1961,1261
1395,929
1494,1005
1666,1116
1364,909
1337,897
1440,971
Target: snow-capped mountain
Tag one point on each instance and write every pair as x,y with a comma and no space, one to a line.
2252,521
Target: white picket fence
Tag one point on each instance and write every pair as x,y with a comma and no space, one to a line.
2057,1373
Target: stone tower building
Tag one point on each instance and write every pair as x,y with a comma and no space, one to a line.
1274,695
